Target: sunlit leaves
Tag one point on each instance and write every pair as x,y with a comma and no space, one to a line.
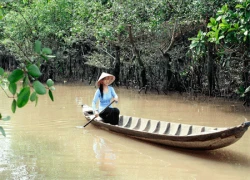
212,23
239,6
23,97
198,44
34,71
224,25
223,10
227,29
15,76
39,88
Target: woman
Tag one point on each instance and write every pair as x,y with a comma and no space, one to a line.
105,94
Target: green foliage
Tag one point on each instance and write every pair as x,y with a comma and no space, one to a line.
34,71
1,71
37,46
33,97
198,45
39,88
243,91
228,29
31,86
15,76
62,23
51,95
23,97
13,106
50,83
12,88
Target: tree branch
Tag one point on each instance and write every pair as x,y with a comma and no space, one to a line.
171,42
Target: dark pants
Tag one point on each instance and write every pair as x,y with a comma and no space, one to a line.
110,115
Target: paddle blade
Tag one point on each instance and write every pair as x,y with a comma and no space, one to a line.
80,127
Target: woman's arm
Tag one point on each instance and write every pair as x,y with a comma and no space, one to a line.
96,97
113,93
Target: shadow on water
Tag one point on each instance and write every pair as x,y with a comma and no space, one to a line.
222,155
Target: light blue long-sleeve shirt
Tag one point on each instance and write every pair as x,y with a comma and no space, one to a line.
105,100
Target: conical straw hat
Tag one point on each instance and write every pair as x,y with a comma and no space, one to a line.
103,75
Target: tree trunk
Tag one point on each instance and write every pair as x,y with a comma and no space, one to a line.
210,71
245,73
142,68
116,70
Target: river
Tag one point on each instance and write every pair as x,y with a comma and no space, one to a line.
43,142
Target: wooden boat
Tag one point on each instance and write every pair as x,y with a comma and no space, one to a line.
172,134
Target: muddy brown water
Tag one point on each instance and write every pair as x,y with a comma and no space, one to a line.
43,142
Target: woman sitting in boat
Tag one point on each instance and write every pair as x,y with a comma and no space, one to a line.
105,94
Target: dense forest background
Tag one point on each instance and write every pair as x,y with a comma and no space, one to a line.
194,46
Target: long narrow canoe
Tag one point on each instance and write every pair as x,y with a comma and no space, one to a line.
172,134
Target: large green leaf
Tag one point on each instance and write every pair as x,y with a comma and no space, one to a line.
15,76
2,131
34,71
23,97
13,106
39,88
13,88
38,46
1,71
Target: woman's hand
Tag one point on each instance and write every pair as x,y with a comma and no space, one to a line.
116,100
96,114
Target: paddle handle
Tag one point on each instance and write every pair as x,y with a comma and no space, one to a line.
99,113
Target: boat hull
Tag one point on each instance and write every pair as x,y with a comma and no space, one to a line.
181,135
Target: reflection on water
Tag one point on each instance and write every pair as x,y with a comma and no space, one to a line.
104,155
43,143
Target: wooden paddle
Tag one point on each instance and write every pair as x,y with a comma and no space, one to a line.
99,113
